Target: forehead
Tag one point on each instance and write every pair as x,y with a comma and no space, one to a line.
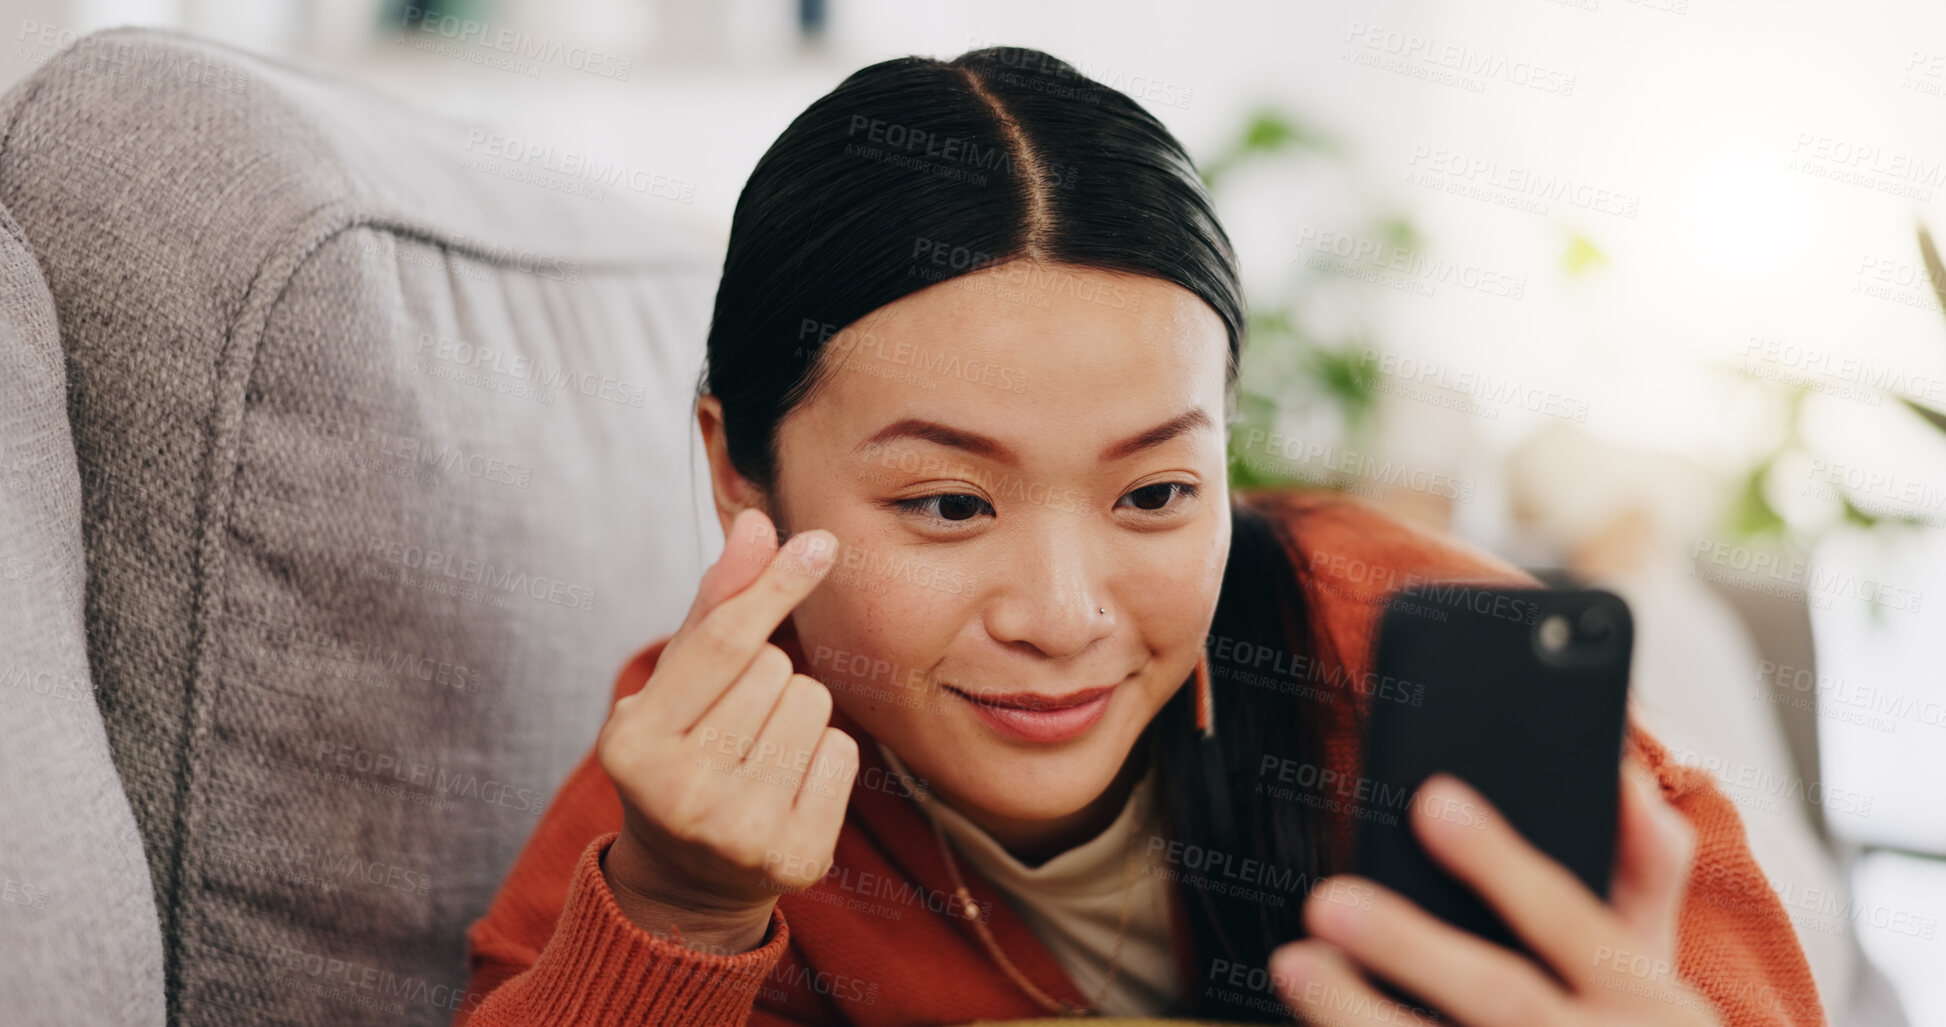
1035,353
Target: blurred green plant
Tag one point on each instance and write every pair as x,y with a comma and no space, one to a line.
1753,515
1289,363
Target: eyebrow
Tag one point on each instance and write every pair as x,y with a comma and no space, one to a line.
993,449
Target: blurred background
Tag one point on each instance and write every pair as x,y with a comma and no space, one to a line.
1636,293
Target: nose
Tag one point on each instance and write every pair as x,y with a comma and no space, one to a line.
1052,594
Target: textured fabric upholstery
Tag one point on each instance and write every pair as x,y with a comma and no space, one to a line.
77,915
385,467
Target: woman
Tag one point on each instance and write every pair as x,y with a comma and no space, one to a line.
1031,717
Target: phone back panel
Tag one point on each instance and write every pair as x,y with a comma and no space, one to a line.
1476,692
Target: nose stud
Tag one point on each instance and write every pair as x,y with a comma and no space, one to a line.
1104,610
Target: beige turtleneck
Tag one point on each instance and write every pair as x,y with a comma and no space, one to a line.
1073,902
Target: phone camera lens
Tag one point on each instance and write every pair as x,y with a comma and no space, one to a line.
1596,623
1554,633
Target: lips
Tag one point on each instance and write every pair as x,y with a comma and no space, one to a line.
1030,717
1034,701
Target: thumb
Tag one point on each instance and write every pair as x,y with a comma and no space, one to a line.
748,547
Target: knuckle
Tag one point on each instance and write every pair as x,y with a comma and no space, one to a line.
812,695
619,754
1510,997
715,638
788,576
838,759
771,663
844,748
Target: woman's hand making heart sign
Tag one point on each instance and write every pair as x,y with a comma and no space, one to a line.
733,783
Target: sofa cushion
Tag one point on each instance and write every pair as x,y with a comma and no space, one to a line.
386,468
77,915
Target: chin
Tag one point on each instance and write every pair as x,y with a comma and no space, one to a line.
1046,785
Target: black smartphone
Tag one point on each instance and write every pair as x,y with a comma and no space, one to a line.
1520,693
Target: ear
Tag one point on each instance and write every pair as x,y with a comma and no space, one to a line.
731,491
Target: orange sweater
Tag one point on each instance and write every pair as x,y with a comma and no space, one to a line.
876,943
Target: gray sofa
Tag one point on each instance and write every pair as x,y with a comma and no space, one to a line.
338,479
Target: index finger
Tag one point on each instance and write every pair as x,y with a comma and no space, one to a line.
1545,905
748,545
707,657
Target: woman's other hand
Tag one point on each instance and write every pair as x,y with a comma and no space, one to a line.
1615,961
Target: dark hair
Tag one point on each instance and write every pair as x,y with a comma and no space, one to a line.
1005,153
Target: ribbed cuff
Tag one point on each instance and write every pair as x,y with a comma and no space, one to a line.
601,968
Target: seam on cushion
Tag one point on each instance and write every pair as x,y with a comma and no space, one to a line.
215,508
222,465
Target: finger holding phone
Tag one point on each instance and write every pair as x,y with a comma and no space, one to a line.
1612,962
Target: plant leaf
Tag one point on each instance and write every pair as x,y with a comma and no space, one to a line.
1582,254
1935,271
1932,417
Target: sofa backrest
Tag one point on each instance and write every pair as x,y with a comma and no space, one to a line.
386,467
77,916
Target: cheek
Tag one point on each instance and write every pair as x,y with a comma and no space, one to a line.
873,642
1173,590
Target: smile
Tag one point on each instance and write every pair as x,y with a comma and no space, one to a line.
1030,717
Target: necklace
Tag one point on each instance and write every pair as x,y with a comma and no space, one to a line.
1048,1002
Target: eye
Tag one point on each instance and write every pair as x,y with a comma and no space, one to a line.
1156,497
953,507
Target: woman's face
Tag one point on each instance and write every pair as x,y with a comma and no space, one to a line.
1002,456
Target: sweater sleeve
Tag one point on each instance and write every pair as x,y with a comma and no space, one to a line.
1734,941
599,967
